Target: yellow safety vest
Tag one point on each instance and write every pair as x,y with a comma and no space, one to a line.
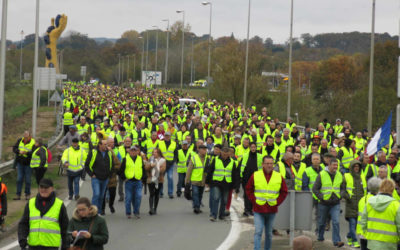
133,169
75,158
182,160
221,172
198,167
35,161
44,230
267,192
312,176
298,176
82,129
327,187
381,226
68,120
244,163
348,156
93,159
26,147
168,153
150,147
350,184
361,205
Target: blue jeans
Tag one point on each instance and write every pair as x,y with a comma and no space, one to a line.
170,175
334,211
181,183
197,195
219,197
73,183
24,172
99,188
352,229
133,196
262,220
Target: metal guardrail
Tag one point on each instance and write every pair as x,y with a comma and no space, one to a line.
7,167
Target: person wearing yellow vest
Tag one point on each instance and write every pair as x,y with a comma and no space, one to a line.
133,172
251,162
73,158
123,151
23,151
221,176
196,176
181,167
39,160
346,155
267,190
44,222
151,144
99,166
380,219
356,188
271,149
329,188
83,126
285,168
170,153
373,188
298,169
3,205
68,120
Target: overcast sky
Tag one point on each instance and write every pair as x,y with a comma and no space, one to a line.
269,18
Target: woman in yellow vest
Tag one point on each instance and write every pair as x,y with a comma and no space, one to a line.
39,160
380,220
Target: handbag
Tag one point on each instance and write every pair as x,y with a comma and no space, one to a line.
85,243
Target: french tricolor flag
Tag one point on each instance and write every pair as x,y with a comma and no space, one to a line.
381,137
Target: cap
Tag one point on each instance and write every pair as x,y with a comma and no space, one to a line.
46,183
202,146
72,126
167,133
184,142
135,147
338,120
238,137
340,135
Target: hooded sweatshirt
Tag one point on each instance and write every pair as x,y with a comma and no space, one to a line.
380,203
358,192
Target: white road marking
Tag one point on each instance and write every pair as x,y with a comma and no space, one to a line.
234,233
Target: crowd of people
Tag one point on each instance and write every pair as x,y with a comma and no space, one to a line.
128,139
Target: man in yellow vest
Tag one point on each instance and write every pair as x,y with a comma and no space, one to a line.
133,172
73,159
356,187
23,151
346,155
68,120
221,176
39,160
329,188
44,222
170,153
181,167
196,176
380,219
267,190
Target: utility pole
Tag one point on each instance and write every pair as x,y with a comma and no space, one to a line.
371,71
35,70
20,58
290,61
2,68
247,59
166,55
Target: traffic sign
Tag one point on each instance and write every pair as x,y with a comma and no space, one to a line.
83,70
47,78
55,97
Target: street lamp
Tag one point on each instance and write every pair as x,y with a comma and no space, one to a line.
371,71
35,70
290,61
247,58
156,44
166,55
183,42
209,48
147,48
2,68
141,65
20,58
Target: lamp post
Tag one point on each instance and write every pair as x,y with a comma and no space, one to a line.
141,64
209,49
247,58
191,63
290,61
2,68
20,58
35,69
371,71
147,48
156,46
183,42
166,55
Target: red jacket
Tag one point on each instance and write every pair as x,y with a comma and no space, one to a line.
265,208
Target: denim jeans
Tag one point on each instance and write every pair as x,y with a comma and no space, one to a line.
219,198
334,211
352,229
170,175
99,188
73,183
181,183
197,195
133,196
261,221
24,172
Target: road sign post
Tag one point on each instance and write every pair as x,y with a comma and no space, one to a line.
83,72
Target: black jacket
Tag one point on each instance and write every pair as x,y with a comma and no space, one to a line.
333,200
123,167
43,205
19,158
223,184
42,154
101,166
250,167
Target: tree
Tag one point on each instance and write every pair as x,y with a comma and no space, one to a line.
268,43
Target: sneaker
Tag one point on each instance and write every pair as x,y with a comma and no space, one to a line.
356,244
251,213
77,197
213,219
70,198
112,209
350,242
17,198
276,233
171,196
339,244
129,216
137,216
103,213
207,189
245,214
227,213
221,218
196,211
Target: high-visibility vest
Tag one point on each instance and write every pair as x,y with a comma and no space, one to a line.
298,176
44,230
375,170
122,151
350,184
3,189
312,176
26,147
133,169
35,161
182,160
338,129
381,225
260,141
290,126
273,154
282,169
198,167
288,142
196,134
181,136
218,140
244,162
68,120
361,205
221,172
360,143
82,129
85,146
150,147
327,187
129,127
93,159
240,151
395,195
75,158
94,139
168,153
267,192
348,156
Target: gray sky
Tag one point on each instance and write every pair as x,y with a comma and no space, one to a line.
269,18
